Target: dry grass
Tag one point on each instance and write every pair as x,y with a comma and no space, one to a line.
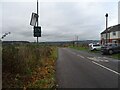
28,66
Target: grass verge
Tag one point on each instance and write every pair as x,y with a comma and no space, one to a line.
28,66
79,48
116,56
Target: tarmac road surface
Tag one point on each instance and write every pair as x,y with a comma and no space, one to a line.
80,69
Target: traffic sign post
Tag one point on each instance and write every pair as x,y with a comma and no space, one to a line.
34,22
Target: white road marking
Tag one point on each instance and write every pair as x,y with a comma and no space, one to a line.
101,60
90,58
81,56
105,57
98,59
106,68
106,61
77,54
93,58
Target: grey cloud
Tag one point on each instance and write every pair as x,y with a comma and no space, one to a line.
77,21
59,21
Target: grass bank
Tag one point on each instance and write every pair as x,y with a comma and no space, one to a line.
28,66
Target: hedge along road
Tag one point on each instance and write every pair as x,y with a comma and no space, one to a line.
80,69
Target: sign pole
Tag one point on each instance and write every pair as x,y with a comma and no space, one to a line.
37,18
34,22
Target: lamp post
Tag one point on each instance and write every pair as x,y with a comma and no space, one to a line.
106,26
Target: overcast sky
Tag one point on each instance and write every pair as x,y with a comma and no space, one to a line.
60,20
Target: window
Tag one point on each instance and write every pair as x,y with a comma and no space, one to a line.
96,45
114,33
119,41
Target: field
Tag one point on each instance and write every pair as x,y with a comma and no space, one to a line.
28,66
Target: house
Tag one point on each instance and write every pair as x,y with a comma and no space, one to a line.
112,33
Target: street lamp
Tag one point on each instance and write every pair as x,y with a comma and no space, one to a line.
106,25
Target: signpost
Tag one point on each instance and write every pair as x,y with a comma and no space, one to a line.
34,22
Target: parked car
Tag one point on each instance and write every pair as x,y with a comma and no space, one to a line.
110,48
94,47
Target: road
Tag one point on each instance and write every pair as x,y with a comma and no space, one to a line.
81,69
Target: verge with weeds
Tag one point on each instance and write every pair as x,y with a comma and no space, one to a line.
28,66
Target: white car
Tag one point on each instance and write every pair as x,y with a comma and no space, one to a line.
93,47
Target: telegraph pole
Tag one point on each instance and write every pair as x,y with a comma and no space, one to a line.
77,41
37,18
106,26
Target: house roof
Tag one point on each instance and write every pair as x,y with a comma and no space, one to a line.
112,29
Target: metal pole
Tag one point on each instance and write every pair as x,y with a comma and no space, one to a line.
37,18
77,41
106,26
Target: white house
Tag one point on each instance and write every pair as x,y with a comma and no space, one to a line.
112,33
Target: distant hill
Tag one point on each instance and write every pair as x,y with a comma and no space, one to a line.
15,42
52,42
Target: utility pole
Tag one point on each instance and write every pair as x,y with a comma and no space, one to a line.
77,41
37,18
106,26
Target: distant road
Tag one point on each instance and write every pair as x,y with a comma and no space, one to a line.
80,69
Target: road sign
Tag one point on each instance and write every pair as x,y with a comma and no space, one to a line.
33,19
37,31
